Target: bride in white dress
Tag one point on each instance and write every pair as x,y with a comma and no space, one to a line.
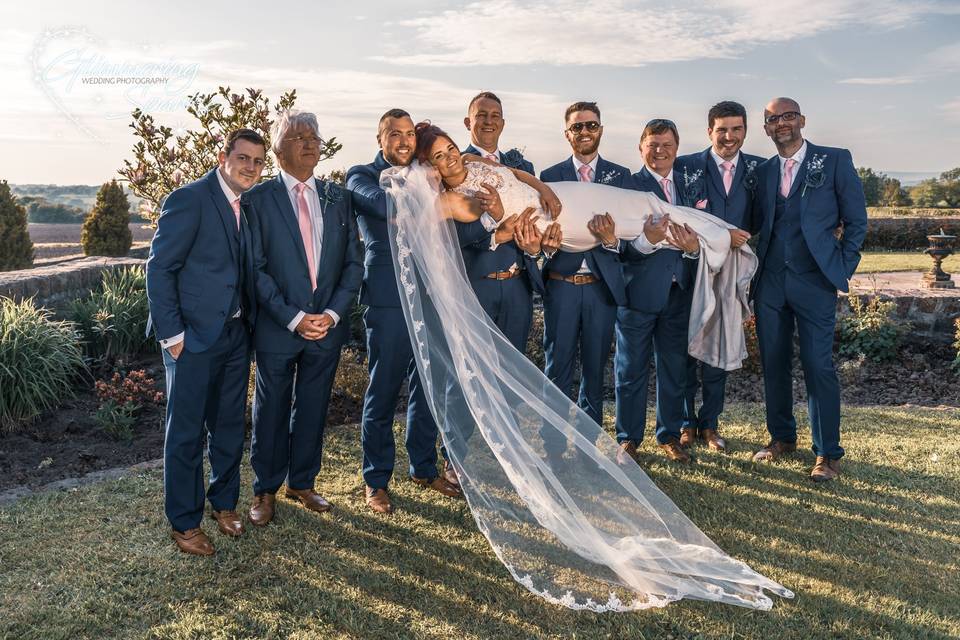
589,531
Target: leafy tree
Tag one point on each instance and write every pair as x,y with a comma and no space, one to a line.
106,231
163,160
16,249
893,195
943,191
872,185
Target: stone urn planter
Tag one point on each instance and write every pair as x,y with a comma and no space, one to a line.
941,246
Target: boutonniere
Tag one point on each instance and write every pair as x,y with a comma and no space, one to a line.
693,185
750,179
512,158
609,176
815,177
332,193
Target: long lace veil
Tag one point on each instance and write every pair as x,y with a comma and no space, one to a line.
585,530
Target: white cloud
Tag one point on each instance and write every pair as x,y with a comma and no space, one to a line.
885,80
632,34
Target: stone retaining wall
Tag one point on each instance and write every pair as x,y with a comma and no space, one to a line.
56,285
932,312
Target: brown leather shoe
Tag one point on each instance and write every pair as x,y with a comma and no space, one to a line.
450,474
262,509
825,469
193,541
713,440
440,485
310,499
774,450
628,450
688,435
228,522
379,500
675,452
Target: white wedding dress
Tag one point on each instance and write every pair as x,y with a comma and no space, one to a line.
588,531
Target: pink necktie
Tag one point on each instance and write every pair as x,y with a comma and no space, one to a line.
586,173
727,175
665,183
235,203
787,177
490,156
306,232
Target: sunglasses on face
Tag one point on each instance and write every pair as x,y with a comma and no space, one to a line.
788,116
590,126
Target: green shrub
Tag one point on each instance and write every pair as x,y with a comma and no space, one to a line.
39,361
106,231
16,249
113,319
870,330
752,363
117,420
956,345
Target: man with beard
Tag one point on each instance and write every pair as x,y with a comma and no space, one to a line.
723,182
806,193
583,289
390,355
501,273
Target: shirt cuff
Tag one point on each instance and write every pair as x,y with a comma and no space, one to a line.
641,244
493,242
169,342
333,314
692,256
292,325
488,222
615,248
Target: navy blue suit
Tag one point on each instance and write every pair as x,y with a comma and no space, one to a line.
292,372
582,315
525,165
737,208
199,274
390,356
653,323
802,265
509,303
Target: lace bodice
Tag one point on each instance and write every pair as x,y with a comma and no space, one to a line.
515,195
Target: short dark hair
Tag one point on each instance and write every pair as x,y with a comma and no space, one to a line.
660,125
243,134
489,95
726,109
392,113
582,106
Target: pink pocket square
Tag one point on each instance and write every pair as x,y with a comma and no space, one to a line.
701,204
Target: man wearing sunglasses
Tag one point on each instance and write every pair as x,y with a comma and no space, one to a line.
659,266
726,186
583,289
806,192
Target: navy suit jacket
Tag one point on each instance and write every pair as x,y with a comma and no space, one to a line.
370,206
194,265
737,207
650,276
525,165
602,262
839,199
283,280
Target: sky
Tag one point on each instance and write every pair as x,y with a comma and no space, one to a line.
880,77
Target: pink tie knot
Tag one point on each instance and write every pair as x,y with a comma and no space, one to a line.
787,180
490,156
586,173
299,187
665,183
727,166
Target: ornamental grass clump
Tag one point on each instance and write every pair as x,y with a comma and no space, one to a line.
113,319
40,359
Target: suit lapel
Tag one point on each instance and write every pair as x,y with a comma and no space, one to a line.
801,174
227,216
329,216
653,182
773,188
289,216
710,166
568,172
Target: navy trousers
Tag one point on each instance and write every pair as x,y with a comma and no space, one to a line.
808,301
662,336
289,416
510,305
390,363
714,383
206,396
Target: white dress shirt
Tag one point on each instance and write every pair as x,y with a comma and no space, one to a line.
231,197
584,269
316,217
719,160
798,157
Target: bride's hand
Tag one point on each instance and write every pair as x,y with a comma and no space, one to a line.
550,203
490,201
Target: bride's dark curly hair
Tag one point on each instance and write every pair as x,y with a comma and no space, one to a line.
427,134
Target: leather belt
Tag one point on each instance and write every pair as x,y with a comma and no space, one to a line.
502,275
577,278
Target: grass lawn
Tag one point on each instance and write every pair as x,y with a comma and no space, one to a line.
882,261
874,555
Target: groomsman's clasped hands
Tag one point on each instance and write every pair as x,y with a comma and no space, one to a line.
236,266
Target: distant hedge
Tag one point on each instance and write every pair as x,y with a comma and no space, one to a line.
906,234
